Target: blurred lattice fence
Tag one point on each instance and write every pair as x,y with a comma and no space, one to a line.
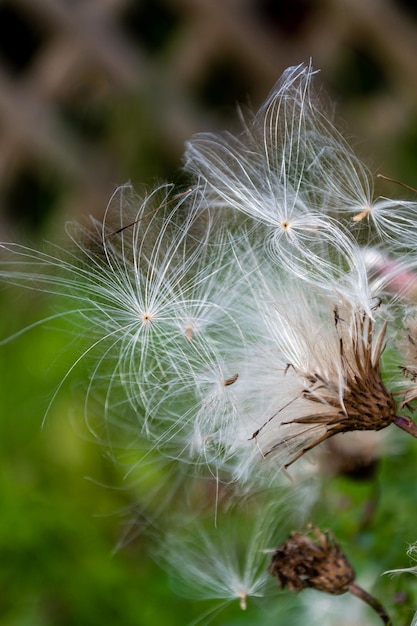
93,92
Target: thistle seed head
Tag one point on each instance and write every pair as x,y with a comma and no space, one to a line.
343,392
312,560
366,404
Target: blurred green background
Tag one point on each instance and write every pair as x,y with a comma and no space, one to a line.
96,93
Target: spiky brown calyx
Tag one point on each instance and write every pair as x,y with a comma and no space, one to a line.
366,404
312,561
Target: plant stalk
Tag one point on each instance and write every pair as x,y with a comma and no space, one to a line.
373,602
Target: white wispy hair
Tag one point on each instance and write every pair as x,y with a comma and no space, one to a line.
228,560
153,298
266,173
156,290
412,554
214,566
300,183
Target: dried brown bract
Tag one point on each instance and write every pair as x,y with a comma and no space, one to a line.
312,560
315,560
347,395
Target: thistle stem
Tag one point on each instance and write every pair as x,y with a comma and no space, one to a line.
406,424
375,604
